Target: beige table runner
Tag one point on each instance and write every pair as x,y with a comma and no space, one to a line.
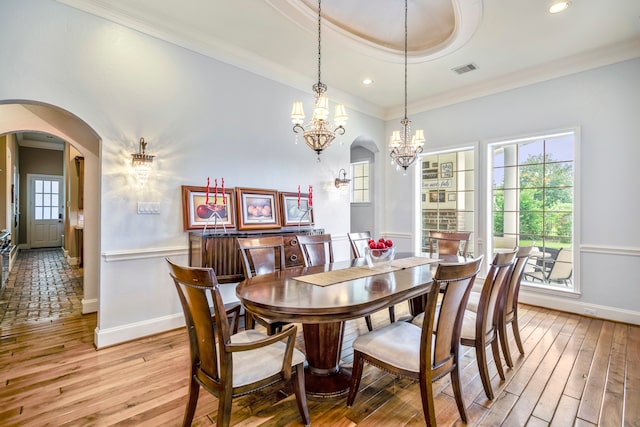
337,276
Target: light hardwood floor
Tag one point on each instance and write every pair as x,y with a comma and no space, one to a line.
576,371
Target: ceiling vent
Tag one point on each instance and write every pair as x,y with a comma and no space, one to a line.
465,68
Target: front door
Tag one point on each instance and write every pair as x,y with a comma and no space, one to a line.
46,207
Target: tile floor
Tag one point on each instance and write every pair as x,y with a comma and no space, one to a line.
42,285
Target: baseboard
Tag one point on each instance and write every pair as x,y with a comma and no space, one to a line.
112,336
581,308
89,306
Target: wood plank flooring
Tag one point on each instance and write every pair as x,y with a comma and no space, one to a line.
577,371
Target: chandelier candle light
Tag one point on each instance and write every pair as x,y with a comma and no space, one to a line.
404,148
319,133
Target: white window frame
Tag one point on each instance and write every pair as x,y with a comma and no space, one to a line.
488,214
353,181
417,208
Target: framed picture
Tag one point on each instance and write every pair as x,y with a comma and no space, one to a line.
292,213
257,209
430,174
437,196
452,197
220,212
446,170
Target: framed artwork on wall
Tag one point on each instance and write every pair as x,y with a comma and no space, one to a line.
200,211
294,209
446,170
437,196
257,209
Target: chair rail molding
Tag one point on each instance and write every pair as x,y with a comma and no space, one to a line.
610,250
134,254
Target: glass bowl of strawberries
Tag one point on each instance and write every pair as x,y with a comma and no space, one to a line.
379,253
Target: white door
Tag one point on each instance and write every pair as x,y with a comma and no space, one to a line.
46,207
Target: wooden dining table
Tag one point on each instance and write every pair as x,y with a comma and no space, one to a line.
323,297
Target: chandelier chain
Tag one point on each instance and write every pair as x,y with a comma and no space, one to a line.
319,38
319,133
405,58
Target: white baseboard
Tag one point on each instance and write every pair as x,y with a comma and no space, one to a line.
579,307
89,306
112,336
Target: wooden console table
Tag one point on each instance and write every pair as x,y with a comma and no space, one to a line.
221,252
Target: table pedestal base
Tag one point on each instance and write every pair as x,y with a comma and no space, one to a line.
323,376
333,385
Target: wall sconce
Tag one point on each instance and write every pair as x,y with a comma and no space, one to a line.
344,181
141,161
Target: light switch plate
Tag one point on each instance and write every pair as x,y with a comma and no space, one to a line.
145,208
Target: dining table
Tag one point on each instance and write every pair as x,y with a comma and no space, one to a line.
322,298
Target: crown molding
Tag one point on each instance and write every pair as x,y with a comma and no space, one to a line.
589,60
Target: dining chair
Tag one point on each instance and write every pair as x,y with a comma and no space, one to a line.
224,363
358,242
262,255
560,271
425,352
508,305
480,327
317,249
507,309
449,243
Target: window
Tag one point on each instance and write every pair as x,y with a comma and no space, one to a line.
533,203
447,194
46,199
360,182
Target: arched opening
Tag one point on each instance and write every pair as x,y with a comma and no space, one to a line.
30,116
364,151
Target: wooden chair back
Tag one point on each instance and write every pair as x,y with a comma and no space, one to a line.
456,280
508,304
261,255
205,335
449,243
358,242
317,249
513,287
494,284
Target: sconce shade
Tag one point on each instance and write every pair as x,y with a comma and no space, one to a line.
142,161
342,181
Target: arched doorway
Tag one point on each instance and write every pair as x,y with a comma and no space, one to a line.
24,116
364,149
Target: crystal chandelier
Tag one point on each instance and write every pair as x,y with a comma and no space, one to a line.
404,147
319,133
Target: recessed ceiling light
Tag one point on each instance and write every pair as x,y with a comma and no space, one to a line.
559,6
367,82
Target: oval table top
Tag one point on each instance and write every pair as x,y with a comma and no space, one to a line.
281,295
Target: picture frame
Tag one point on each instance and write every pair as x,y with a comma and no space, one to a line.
430,174
257,209
196,215
451,197
291,214
437,196
446,170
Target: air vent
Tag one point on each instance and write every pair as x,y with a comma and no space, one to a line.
465,68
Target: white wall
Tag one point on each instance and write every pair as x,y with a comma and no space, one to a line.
605,104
